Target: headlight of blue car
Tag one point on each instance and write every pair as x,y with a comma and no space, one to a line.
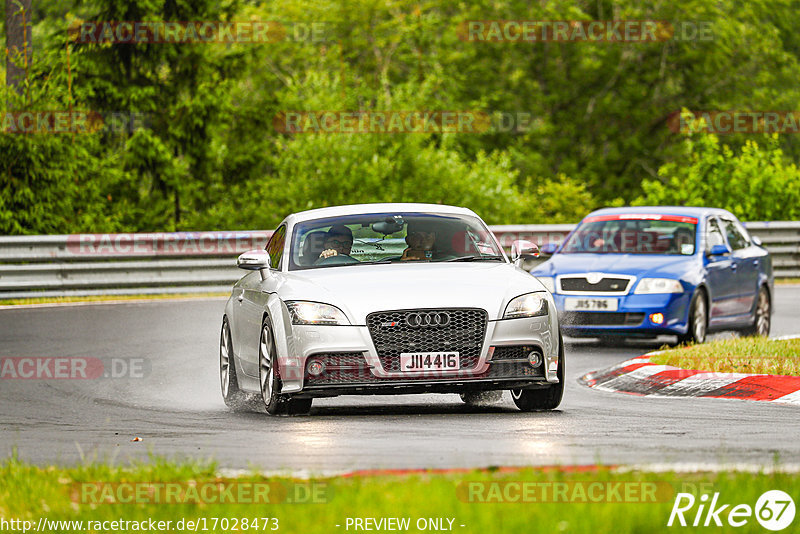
315,313
648,286
530,305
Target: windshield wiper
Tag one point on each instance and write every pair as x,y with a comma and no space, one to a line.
478,258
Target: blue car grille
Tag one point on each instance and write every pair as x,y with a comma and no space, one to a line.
605,285
602,319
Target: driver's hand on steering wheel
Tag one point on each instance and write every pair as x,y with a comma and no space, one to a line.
329,253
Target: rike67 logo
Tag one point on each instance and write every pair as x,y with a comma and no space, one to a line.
774,510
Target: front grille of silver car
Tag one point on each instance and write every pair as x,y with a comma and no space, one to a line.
513,352
340,368
392,334
512,369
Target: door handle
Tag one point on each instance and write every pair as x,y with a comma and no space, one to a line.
240,298
755,262
733,266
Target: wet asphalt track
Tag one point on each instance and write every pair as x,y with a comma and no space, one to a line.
177,411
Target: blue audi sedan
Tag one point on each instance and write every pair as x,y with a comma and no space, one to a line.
649,271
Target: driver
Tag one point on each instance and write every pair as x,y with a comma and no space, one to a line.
420,241
682,237
338,242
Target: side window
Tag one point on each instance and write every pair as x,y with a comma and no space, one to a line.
736,237
713,235
275,247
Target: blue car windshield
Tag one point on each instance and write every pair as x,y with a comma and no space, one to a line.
634,234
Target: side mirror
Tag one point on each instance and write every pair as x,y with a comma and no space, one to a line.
719,250
756,240
524,254
549,248
524,250
253,260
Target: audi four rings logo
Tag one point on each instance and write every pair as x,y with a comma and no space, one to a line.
428,319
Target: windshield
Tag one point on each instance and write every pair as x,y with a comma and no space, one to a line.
391,238
634,234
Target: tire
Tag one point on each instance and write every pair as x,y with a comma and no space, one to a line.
481,398
233,396
763,316
269,378
698,319
528,400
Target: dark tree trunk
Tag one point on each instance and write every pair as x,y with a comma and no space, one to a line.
18,41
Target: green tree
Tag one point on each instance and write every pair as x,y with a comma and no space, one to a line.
753,182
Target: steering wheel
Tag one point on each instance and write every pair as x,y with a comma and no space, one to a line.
339,259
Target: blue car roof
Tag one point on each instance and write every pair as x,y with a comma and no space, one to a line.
663,210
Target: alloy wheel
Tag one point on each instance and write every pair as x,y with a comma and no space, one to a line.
762,314
265,358
224,361
699,324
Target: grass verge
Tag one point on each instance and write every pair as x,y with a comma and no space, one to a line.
619,503
757,355
105,298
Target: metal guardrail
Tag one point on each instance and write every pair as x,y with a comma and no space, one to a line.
190,262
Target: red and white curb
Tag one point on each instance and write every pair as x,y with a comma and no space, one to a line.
640,377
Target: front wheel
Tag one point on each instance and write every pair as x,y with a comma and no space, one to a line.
698,320
547,398
270,381
763,315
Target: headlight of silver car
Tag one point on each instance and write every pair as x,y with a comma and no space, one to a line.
658,285
315,313
530,305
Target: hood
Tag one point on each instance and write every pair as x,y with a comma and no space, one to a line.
639,265
362,289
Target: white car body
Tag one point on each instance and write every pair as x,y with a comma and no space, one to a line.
361,290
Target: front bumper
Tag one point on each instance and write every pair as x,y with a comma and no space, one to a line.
355,344
632,317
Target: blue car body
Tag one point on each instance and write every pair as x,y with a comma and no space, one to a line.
729,280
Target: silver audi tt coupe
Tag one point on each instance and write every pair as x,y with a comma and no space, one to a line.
388,299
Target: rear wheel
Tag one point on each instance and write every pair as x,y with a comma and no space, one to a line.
698,320
763,317
269,378
234,397
547,398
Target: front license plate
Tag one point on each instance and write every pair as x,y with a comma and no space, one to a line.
411,362
581,304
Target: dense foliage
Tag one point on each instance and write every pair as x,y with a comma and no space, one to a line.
207,154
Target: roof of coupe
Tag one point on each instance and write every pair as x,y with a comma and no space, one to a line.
389,207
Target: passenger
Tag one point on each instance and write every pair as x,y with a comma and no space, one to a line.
312,247
338,242
420,241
